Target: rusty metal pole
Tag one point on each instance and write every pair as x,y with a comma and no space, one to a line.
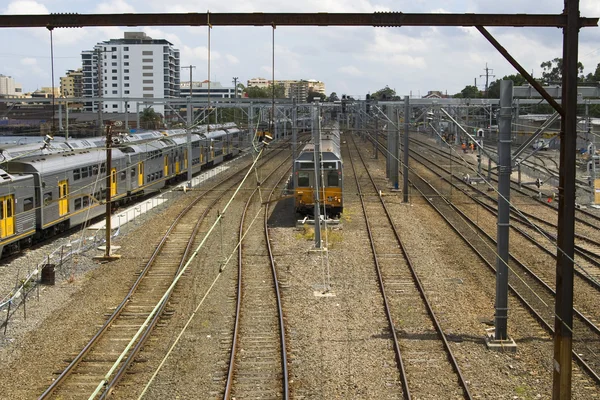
108,187
563,320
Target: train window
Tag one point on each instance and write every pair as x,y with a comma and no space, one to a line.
328,165
95,170
47,198
28,204
103,168
76,174
77,204
84,172
86,201
333,179
132,172
303,178
123,175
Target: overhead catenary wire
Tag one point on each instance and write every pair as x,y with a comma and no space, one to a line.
490,247
172,286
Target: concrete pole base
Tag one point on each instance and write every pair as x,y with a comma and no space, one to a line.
503,346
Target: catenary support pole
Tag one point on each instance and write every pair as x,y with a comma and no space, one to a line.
294,136
394,149
375,142
137,115
126,117
563,321
406,149
390,143
504,170
317,166
189,118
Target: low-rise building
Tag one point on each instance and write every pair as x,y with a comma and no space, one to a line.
200,90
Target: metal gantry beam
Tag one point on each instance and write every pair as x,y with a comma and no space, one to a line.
377,19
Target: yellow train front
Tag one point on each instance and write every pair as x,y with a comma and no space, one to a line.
331,179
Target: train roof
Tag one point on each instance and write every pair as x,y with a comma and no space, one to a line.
215,134
330,146
6,177
60,162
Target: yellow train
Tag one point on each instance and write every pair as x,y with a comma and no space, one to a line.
331,181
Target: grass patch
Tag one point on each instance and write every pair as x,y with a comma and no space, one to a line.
334,236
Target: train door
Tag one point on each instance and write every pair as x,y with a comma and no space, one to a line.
185,159
7,216
177,163
63,198
166,167
201,154
113,182
140,174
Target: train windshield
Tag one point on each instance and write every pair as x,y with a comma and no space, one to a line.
303,178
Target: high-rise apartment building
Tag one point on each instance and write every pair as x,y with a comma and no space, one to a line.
9,88
71,85
135,66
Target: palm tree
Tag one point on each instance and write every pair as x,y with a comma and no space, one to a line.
150,119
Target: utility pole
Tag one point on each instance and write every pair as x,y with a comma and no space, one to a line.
99,104
190,111
235,79
109,177
487,76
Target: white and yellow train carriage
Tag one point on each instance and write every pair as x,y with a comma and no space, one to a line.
330,182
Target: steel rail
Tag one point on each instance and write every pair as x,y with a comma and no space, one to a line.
117,312
397,351
586,367
581,252
421,289
376,19
520,190
230,372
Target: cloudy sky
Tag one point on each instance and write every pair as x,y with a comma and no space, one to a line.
352,60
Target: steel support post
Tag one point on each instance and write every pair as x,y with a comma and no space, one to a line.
375,142
504,170
436,116
190,112
67,121
251,132
137,115
60,121
406,149
563,322
393,151
126,117
390,143
317,165
294,136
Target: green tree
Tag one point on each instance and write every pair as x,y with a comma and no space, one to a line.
385,94
150,119
312,95
595,77
494,89
552,71
469,92
333,97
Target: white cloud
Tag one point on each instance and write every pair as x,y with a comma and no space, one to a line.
26,7
114,7
28,61
232,59
350,70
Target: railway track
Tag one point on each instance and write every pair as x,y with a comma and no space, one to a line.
415,330
258,359
582,217
527,225
533,293
84,373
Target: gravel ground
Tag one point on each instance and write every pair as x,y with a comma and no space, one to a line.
338,345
